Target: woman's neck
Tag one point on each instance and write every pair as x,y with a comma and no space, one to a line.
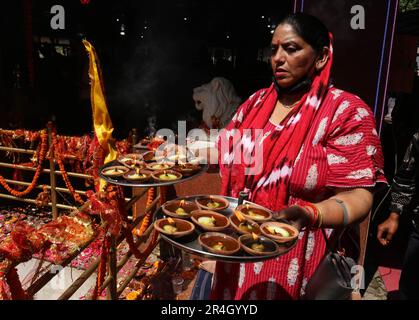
289,99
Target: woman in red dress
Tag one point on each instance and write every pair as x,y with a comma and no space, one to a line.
312,144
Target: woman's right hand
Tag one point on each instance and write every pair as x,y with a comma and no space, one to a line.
295,215
388,228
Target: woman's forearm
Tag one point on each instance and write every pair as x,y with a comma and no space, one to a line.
357,201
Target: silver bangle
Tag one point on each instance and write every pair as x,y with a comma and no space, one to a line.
345,212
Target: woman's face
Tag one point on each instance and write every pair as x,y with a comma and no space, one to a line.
292,58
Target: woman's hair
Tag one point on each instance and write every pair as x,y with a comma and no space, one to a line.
308,27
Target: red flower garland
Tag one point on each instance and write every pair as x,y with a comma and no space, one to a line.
41,157
64,174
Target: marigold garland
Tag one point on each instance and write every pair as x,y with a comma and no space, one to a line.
64,174
41,157
116,193
147,218
102,268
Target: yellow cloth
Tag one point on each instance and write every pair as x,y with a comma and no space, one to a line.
101,120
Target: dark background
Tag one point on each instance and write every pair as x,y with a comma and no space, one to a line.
146,71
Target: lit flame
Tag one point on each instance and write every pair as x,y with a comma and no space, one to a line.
171,221
247,206
138,171
165,173
182,203
239,216
255,236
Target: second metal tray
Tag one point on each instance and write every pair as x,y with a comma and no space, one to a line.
191,244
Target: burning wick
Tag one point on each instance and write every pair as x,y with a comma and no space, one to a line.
243,223
180,210
278,231
171,227
212,204
219,246
239,216
207,221
257,246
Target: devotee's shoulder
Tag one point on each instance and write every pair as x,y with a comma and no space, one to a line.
348,105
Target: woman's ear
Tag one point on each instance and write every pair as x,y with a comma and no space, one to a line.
322,59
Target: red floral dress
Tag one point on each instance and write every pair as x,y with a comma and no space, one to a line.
341,149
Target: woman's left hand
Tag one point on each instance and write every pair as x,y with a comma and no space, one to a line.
295,215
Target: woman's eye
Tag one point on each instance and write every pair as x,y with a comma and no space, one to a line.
273,50
291,49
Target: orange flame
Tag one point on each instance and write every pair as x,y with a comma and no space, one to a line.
182,203
170,220
247,206
255,236
239,215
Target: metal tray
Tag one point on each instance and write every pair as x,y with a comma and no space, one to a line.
151,183
191,244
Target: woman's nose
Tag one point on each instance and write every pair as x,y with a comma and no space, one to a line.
279,56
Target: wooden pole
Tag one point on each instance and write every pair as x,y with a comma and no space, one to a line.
52,175
60,206
70,174
65,190
18,150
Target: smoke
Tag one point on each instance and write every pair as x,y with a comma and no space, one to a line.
157,80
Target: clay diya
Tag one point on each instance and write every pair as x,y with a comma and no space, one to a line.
132,160
243,225
181,209
254,212
196,160
258,245
177,158
210,220
115,171
174,227
187,169
279,232
166,176
148,156
219,243
157,166
137,176
214,203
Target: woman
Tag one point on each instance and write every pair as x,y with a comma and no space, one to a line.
321,152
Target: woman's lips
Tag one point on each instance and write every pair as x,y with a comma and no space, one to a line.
281,74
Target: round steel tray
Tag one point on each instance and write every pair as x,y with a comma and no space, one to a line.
191,244
151,183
